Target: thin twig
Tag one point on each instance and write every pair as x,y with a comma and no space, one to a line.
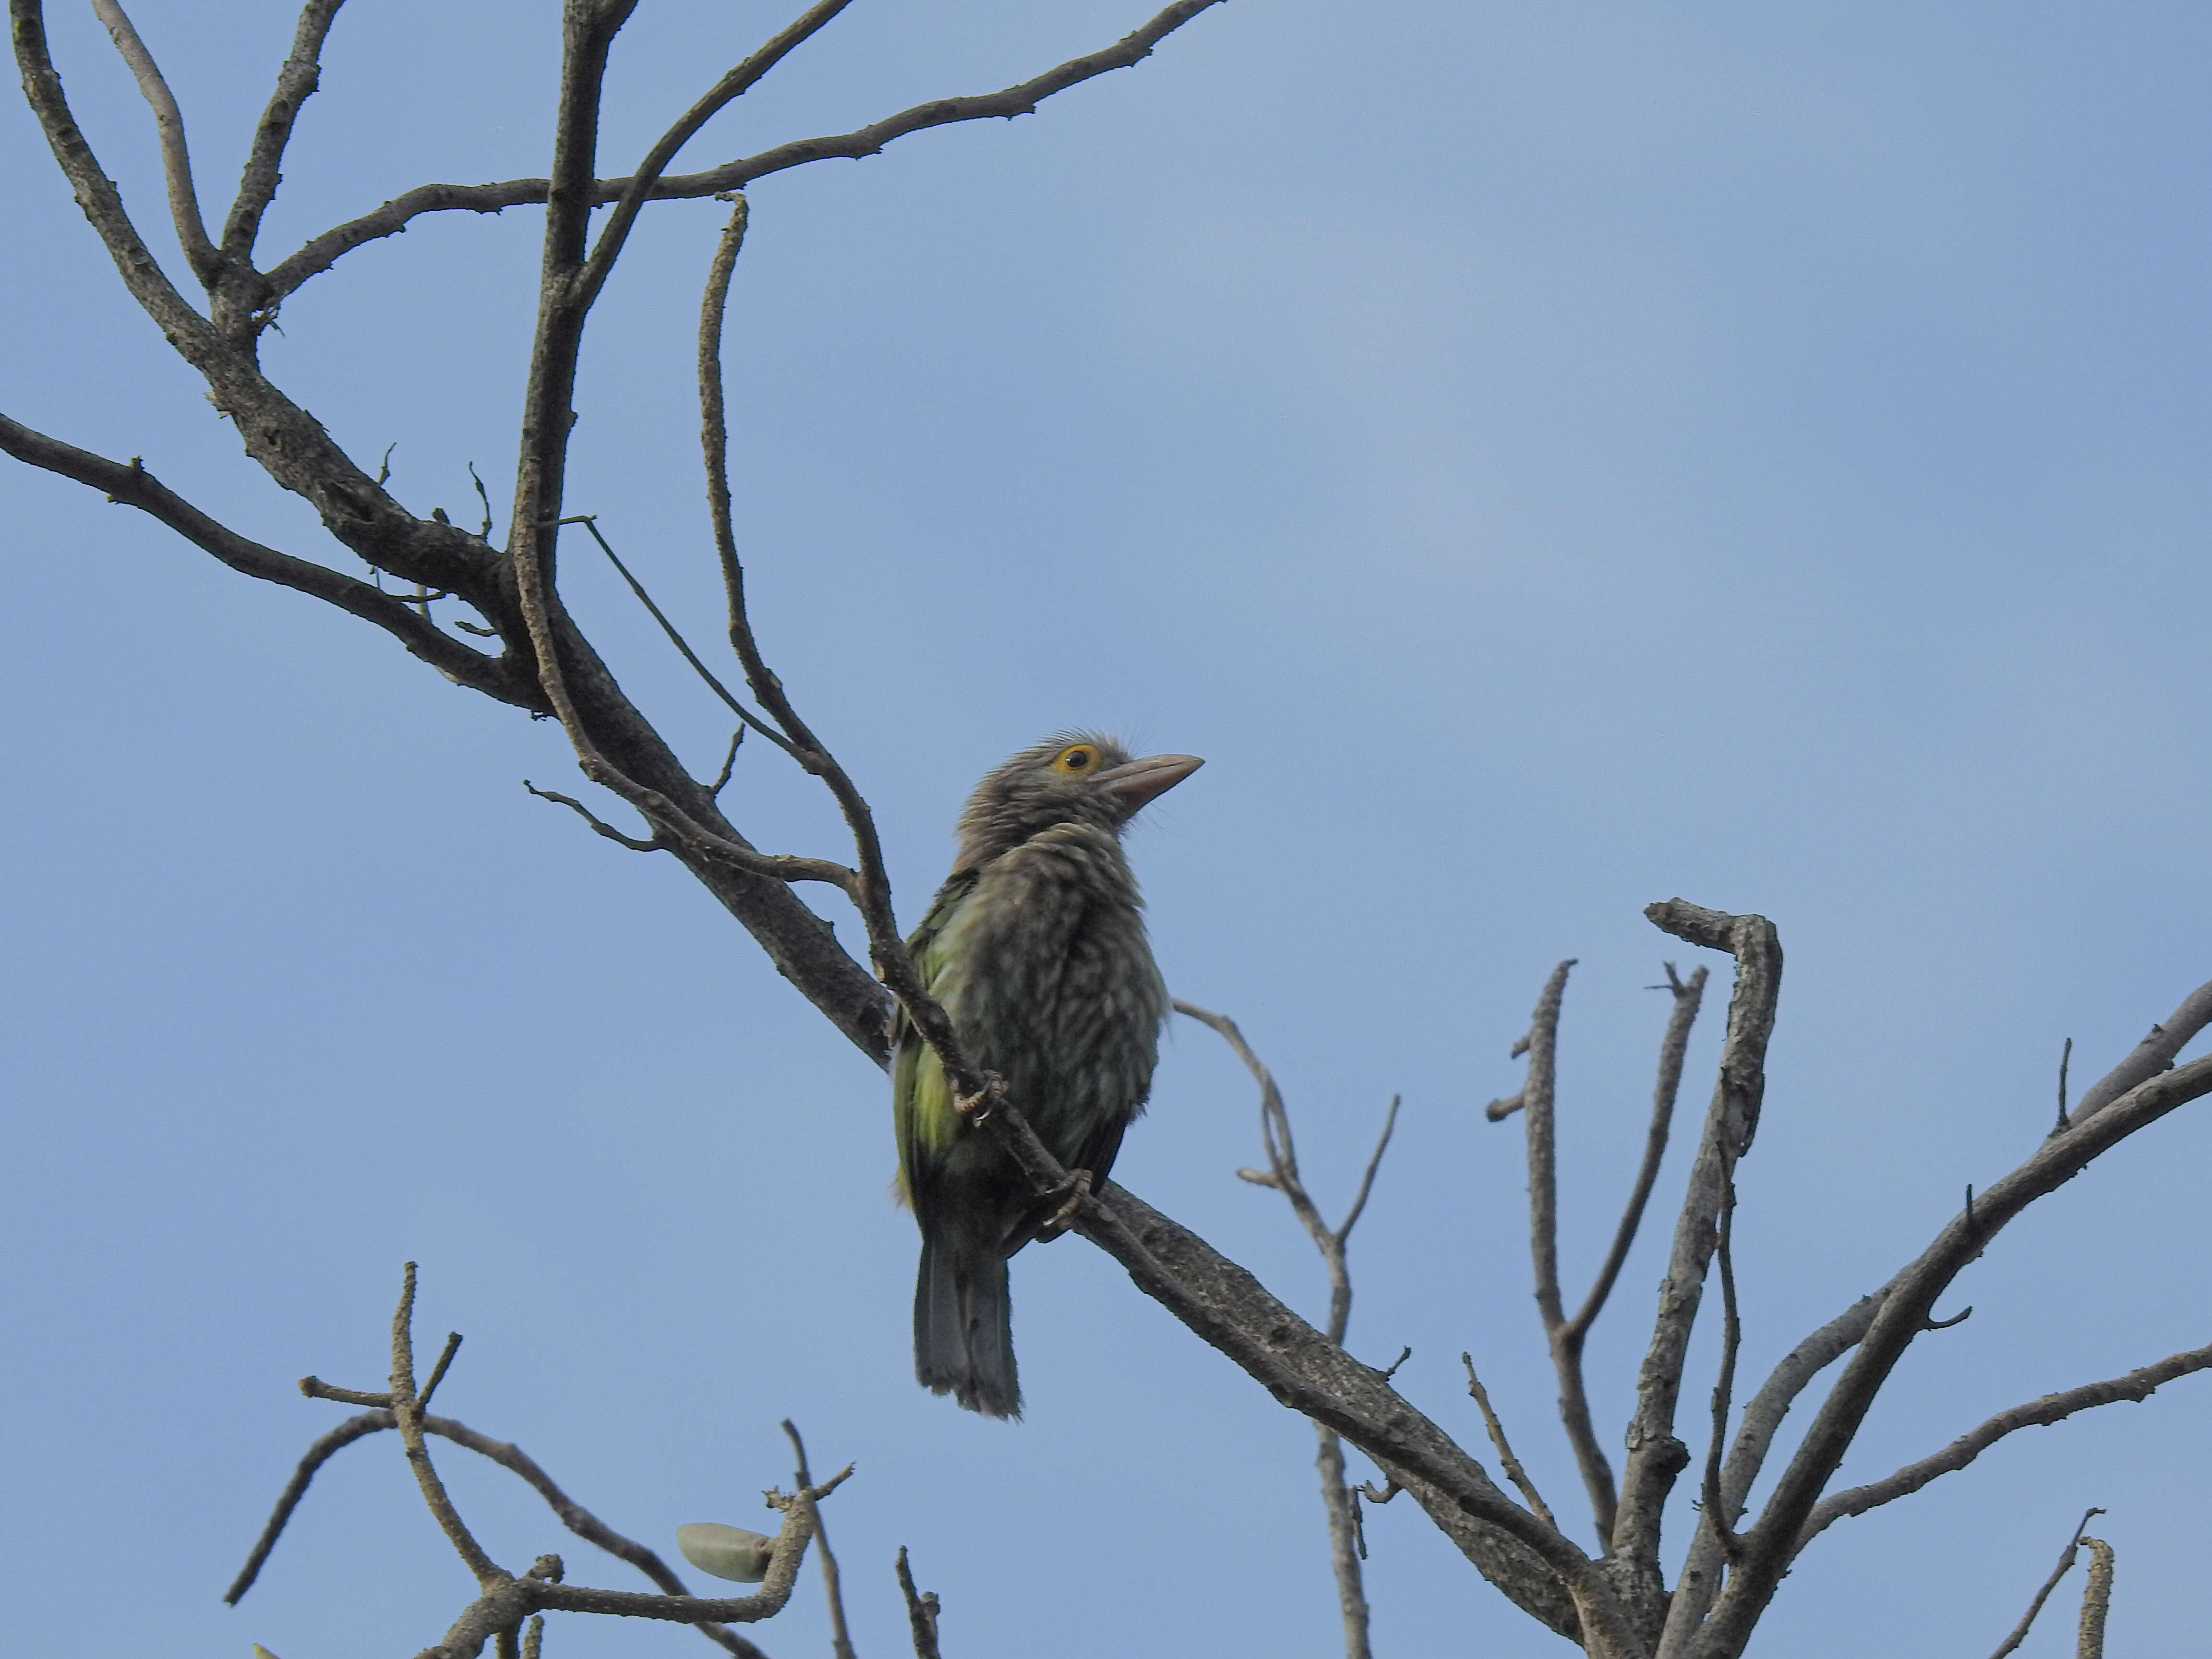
589,521
2066,1060
922,1609
438,1372
505,1604
483,499
870,890
1506,1460
637,844
2065,1565
841,1640
324,1448
1673,1046
1718,1513
176,159
1346,1544
729,764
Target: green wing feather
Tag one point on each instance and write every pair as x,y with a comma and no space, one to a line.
921,1100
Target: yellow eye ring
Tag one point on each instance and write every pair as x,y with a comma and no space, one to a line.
1076,760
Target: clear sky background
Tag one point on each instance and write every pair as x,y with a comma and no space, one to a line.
1547,457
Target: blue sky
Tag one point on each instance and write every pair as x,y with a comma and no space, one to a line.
1547,458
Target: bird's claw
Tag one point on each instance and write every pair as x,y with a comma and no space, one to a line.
977,1108
1077,1187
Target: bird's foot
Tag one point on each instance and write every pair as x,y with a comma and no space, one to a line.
1077,1188
977,1108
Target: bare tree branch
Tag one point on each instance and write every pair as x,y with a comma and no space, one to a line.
2153,1055
573,1514
176,157
2011,1643
731,87
841,1640
505,1605
325,250
1506,1460
287,441
1539,1570
653,843
2137,1385
1655,1457
438,1372
295,84
922,1610
1902,1316
1673,1046
1537,1101
407,1414
1698,1582
746,717
1339,1501
2096,1601
325,1448
133,486
1720,1515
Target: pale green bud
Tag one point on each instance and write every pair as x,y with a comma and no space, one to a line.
729,1553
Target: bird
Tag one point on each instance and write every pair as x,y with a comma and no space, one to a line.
1036,948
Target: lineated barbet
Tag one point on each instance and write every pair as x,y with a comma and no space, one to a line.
1036,947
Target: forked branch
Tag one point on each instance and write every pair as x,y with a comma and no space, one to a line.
1339,1501
325,250
507,1601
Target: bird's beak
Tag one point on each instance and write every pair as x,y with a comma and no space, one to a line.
1139,780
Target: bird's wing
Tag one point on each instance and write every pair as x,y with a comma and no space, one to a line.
921,1100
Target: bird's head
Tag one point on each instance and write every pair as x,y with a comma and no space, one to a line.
1077,777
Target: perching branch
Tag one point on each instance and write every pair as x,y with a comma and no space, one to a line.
1539,1570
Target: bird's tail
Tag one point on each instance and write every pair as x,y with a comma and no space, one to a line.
963,1331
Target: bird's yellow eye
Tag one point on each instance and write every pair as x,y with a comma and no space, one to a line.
1077,760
